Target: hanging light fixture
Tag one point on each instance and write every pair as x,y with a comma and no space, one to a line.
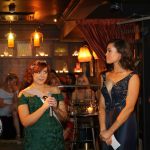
36,38
11,39
94,55
84,54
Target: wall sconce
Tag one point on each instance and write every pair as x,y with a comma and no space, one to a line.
75,53
36,38
84,54
11,38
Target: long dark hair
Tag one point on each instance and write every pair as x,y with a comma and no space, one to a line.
123,48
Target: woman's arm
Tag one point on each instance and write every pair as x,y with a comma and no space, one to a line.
58,107
61,111
15,102
102,114
28,119
131,99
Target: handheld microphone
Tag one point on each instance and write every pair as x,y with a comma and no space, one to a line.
51,108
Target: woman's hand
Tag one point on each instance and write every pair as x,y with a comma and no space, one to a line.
50,101
109,141
106,136
46,103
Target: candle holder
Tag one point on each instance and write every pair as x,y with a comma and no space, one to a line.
90,109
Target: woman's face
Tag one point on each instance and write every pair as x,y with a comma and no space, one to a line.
68,80
13,84
82,81
112,55
40,77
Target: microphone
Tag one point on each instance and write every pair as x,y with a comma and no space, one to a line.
51,108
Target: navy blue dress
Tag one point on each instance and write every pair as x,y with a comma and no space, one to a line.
115,101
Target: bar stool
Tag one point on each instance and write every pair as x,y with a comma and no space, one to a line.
84,132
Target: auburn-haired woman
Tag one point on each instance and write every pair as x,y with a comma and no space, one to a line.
41,110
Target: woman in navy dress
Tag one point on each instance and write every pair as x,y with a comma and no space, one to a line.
119,94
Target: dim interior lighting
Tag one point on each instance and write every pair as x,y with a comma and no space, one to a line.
84,54
36,38
55,20
12,7
75,53
11,17
90,109
116,5
77,68
94,55
11,39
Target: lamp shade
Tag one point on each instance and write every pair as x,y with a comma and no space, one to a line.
36,37
94,55
84,54
11,38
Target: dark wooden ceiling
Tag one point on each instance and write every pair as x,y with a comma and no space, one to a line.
44,10
67,11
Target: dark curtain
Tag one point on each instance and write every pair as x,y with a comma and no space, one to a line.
98,33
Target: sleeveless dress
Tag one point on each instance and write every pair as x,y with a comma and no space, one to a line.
115,100
47,132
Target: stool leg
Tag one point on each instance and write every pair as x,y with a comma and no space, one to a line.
86,146
93,138
74,140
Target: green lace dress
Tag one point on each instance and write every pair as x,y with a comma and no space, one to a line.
47,132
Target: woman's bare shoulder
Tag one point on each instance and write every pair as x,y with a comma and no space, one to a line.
52,89
26,92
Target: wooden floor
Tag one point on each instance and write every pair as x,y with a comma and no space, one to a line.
13,145
10,145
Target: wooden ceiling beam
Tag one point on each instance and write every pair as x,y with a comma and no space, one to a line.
80,10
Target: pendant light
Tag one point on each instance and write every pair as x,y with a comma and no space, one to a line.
11,39
36,38
84,54
94,55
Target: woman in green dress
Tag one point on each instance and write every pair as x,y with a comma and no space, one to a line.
41,109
